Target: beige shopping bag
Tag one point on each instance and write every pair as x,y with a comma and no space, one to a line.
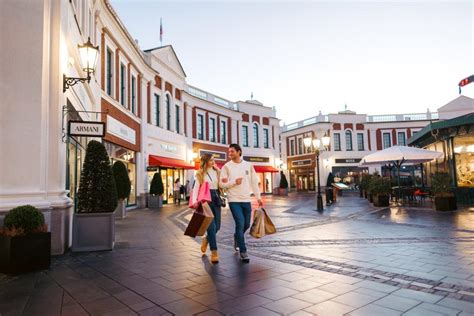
262,224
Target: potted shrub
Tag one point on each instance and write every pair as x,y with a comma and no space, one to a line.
123,184
329,189
25,243
444,198
283,187
155,199
93,226
364,184
380,189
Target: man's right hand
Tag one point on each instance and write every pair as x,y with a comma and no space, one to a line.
238,181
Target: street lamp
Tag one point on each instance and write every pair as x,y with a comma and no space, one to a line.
314,145
89,55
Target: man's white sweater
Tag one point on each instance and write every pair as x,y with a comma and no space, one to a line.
239,192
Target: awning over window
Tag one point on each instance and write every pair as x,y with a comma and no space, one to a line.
265,169
158,161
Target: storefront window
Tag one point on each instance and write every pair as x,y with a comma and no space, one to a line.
118,153
464,159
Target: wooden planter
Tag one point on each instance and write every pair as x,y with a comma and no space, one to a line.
22,254
381,200
445,203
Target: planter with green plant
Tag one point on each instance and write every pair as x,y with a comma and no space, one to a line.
283,187
25,243
124,186
380,189
444,198
94,220
155,199
364,184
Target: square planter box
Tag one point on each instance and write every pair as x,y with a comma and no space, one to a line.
155,202
25,253
93,232
381,200
445,203
121,210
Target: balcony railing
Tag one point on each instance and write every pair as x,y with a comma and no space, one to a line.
211,98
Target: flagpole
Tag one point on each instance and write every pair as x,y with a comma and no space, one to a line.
161,32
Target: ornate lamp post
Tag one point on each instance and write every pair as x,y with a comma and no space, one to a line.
314,145
89,55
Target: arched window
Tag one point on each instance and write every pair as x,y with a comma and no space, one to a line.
168,112
348,140
255,135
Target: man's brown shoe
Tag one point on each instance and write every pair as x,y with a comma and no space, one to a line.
204,244
214,256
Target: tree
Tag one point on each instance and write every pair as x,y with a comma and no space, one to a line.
122,181
156,186
97,191
283,181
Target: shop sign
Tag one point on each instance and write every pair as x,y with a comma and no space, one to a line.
348,160
84,128
168,148
216,154
117,128
304,162
256,159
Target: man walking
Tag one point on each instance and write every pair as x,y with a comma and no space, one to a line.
239,178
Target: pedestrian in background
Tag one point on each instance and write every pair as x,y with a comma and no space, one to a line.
176,192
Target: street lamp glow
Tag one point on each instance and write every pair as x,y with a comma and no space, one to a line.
307,142
326,140
316,143
89,55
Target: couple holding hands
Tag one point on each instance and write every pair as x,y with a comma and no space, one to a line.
238,178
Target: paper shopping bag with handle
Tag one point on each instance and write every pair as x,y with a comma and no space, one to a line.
200,221
269,227
262,224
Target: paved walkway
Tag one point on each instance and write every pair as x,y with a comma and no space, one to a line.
352,259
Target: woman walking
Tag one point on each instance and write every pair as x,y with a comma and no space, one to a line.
209,172
176,192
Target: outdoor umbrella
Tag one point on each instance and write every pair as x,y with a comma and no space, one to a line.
399,155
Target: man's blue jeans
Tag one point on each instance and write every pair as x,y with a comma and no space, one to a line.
241,211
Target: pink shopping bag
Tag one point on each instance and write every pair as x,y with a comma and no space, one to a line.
204,195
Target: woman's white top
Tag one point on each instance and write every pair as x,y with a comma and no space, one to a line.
177,186
211,177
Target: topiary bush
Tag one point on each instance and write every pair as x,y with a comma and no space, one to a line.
156,186
380,186
25,220
122,181
283,181
441,184
97,191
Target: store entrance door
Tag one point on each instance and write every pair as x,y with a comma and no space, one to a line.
169,176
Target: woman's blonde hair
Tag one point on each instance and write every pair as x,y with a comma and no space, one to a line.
203,167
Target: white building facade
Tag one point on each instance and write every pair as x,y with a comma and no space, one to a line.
150,112
352,137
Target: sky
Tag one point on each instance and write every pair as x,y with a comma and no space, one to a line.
378,57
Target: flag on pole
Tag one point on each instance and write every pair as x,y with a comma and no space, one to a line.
465,81
161,31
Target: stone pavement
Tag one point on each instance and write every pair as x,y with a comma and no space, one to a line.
352,259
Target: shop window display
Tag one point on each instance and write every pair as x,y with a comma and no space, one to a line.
464,160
